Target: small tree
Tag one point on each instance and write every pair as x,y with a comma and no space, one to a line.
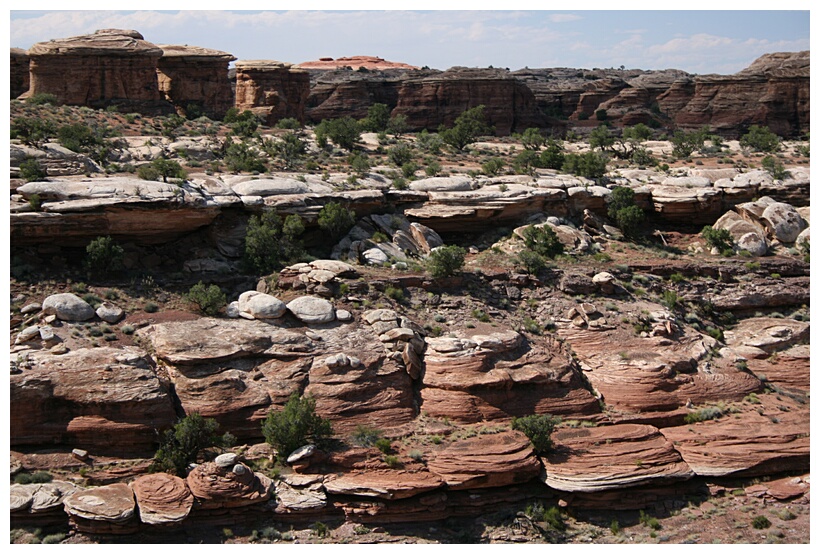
290,149
400,154
209,299
296,425
169,168
336,220
718,238
492,167
538,429
345,132
378,116
639,132
31,170
775,167
180,446
760,139
445,261
397,125
467,128
591,165
601,138
78,137
239,156
262,241
543,241
622,209
532,139
103,256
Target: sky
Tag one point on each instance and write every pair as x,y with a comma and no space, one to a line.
700,42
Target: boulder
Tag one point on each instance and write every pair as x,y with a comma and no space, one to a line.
162,498
110,508
783,221
261,305
109,312
217,487
68,307
312,310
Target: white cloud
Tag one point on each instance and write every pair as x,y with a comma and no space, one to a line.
564,17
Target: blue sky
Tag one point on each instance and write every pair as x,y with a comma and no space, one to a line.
694,41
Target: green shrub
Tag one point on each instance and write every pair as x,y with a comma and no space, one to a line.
32,131
336,220
704,414
384,445
42,98
531,139
180,445
269,241
365,436
552,515
532,262
392,461
775,167
345,132
717,238
538,429
445,261
103,256
36,477
78,137
433,168
243,124
670,299
591,165
677,278
288,123
467,128
55,538
209,299
378,116
400,154
239,156
543,241
492,167
151,307
395,293
760,139
409,169
532,326
296,425
615,527
622,209
147,172
31,170
761,522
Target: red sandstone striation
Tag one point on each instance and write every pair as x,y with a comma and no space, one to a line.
272,90
19,72
355,63
218,487
108,67
386,484
110,509
196,79
498,376
486,461
612,457
773,91
162,498
90,398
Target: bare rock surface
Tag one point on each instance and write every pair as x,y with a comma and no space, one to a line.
216,487
162,498
106,507
484,461
497,375
386,484
592,459
37,498
68,307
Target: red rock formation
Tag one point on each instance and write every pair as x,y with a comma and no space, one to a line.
355,63
162,498
108,67
18,68
385,484
335,94
773,91
612,457
595,93
196,78
272,90
486,461
439,99
498,377
227,487
110,509
99,399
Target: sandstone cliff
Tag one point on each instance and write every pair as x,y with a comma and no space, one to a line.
272,90
18,69
194,78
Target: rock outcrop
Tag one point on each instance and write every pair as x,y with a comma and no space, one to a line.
355,63
272,90
163,499
110,509
195,80
110,67
19,72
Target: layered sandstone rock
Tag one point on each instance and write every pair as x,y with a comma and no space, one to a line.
486,461
110,509
773,91
500,375
99,399
195,79
272,90
612,457
385,484
163,499
218,487
108,67
439,99
18,68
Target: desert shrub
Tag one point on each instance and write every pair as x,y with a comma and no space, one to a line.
717,238
622,209
78,137
400,154
384,445
531,139
467,128
31,170
269,242
378,116
239,156
288,123
492,167
761,522
642,157
601,138
552,515
543,241
704,414
538,429
345,132
151,307
54,538
532,262
552,157
32,131
336,220
591,165
445,261
409,169
181,445
392,461
639,132
296,425
760,139
103,256
42,98
429,142
683,144
775,167
36,477
651,522
208,299
365,436
243,124
396,293
167,168
147,172
397,125
433,168
290,148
